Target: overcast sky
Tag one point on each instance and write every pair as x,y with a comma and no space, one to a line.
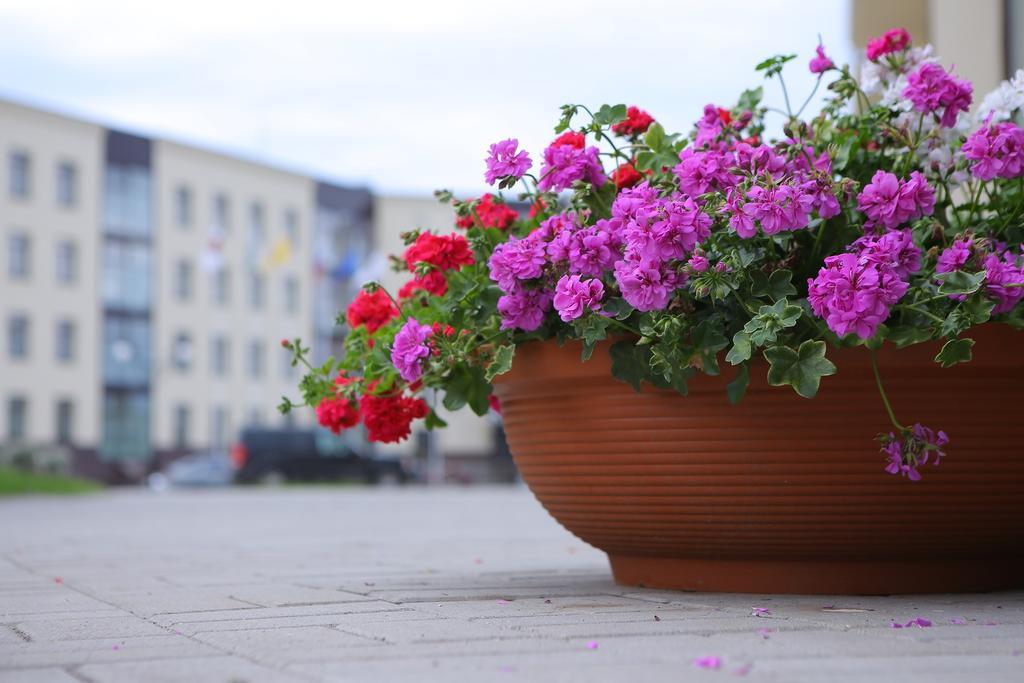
401,96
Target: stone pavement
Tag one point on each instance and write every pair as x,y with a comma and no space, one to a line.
342,584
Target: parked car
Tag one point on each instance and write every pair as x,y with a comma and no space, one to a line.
284,455
199,469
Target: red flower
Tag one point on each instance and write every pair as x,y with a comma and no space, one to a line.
372,310
570,139
388,418
491,214
538,206
448,330
433,282
444,252
894,40
337,413
495,403
626,175
636,122
725,116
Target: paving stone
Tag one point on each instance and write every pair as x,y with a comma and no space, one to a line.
309,585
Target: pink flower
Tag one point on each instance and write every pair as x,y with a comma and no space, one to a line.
821,63
954,257
931,88
894,40
517,260
853,294
889,202
574,297
1003,279
646,286
996,150
591,251
564,164
504,161
409,349
524,309
908,451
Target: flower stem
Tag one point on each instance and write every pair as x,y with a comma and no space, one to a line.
881,392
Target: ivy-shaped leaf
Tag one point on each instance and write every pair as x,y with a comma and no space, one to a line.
764,327
501,362
609,115
630,363
775,286
955,351
708,339
737,388
433,421
959,282
801,369
741,348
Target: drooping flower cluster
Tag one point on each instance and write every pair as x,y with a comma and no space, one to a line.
443,253
567,160
890,202
821,62
574,296
338,412
911,449
388,418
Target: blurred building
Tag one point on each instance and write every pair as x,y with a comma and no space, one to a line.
984,39
146,286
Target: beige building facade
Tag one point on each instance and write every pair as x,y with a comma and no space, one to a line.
49,212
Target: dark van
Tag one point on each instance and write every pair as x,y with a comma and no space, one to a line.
286,455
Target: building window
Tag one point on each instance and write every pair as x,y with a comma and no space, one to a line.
183,280
257,291
220,289
65,340
183,207
291,226
256,358
126,275
222,213
17,418
67,184
181,352
291,295
220,428
20,171
220,357
19,257
257,226
65,421
17,336
67,263
126,352
126,201
182,426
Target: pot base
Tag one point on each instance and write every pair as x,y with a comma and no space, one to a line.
816,577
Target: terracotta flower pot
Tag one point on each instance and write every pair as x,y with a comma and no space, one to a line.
779,493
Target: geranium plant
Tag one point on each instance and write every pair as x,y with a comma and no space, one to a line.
893,215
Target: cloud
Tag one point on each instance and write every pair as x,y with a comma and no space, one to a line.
405,96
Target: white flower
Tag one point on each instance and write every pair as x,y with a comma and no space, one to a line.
1004,100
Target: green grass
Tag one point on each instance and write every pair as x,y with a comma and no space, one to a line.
16,482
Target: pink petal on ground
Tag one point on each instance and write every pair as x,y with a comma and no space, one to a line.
759,611
764,632
895,625
547,601
742,670
918,622
708,662
57,579
503,602
592,645
117,647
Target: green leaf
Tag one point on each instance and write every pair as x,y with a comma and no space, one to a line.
776,286
801,369
655,137
773,65
618,308
708,339
906,336
737,388
749,99
592,328
959,282
568,111
770,320
501,362
630,363
955,351
433,421
741,348
609,115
